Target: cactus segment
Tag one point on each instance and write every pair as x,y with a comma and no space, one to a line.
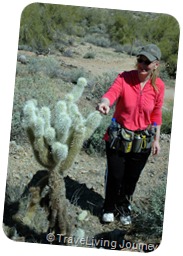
59,151
38,127
50,135
91,123
45,113
75,147
30,113
77,91
62,126
42,152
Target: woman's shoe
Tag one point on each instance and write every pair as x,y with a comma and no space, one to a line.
108,217
126,220
125,214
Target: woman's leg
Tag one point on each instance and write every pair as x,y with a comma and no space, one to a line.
135,163
114,177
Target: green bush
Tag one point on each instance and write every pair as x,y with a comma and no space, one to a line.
156,210
164,73
68,53
102,83
73,75
48,65
149,220
89,55
34,66
167,116
36,31
51,67
96,144
98,40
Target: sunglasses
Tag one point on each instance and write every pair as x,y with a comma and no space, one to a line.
146,62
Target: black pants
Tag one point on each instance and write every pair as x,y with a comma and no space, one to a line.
122,174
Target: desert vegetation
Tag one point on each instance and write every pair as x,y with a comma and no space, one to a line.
57,26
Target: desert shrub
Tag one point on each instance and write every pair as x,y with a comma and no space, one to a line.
98,40
167,118
102,83
149,221
48,65
21,70
164,73
89,55
118,47
73,75
130,49
172,65
34,66
60,39
25,48
51,67
96,144
98,28
156,210
68,53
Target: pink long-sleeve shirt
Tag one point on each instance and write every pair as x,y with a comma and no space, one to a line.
136,108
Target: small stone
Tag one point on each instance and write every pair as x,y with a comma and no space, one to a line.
82,216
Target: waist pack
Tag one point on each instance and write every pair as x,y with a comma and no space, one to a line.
130,141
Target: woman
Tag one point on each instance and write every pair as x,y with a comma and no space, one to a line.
138,95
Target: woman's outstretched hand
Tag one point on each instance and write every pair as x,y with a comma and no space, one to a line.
103,106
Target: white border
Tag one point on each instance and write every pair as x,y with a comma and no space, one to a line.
9,23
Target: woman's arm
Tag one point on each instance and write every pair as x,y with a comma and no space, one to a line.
156,144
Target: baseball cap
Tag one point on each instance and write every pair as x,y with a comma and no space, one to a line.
151,51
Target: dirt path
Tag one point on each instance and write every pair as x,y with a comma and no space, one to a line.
169,93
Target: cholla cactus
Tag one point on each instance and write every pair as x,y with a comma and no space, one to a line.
57,138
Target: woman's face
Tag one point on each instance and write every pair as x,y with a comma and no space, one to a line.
145,67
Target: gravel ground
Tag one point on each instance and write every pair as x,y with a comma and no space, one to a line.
85,194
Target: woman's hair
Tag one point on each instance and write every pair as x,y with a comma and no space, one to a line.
154,75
